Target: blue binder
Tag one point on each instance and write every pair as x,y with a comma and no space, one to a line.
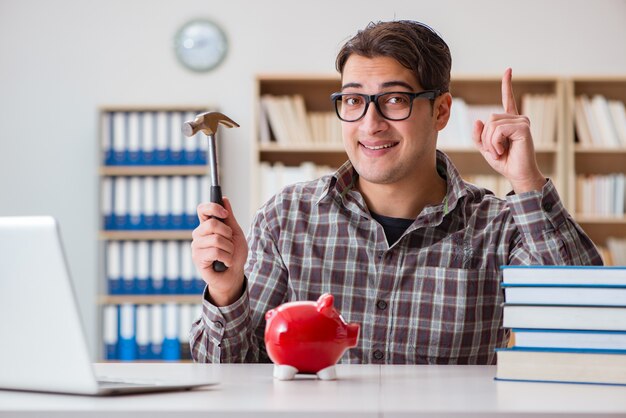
127,343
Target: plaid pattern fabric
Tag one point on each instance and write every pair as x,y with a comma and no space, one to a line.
432,297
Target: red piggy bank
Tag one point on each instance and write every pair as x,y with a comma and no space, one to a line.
307,337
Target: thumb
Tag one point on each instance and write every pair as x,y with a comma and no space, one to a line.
477,134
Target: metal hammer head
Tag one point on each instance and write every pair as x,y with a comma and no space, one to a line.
207,123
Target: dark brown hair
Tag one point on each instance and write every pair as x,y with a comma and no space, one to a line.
414,45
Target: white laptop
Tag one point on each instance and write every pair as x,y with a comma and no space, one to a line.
43,346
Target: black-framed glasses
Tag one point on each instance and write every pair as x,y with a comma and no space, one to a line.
392,105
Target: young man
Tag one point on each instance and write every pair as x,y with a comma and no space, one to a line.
409,250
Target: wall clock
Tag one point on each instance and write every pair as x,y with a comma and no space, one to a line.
200,45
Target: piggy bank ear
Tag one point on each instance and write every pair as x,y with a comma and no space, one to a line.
269,314
324,302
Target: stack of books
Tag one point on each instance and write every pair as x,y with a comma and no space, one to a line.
285,120
569,324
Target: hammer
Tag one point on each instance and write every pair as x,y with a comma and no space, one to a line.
208,123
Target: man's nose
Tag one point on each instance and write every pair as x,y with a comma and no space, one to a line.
373,121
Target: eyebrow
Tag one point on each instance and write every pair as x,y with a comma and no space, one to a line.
387,84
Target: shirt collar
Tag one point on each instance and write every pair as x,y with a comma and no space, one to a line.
456,187
341,181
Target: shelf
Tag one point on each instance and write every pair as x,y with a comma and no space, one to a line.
155,108
600,161
145,235
332,155
470,161
177,170
601,228
600,220
599,150
467,160
330,148
488,90
148,299
302,148
316,90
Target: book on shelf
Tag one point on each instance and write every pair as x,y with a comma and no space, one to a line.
274,177
561,365
601,195
139,203
148,331
606,124
600,122
541,110
606,318
583,130
495,183
325,128
573,275
616,248
550,294
151,268
146,137
286,120
569,339
458,131
617,109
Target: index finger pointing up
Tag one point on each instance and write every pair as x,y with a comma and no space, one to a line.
508,99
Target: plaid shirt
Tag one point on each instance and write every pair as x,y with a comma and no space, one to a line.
431,297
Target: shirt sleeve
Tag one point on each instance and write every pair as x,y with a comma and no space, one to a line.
235,333
544,232
219,335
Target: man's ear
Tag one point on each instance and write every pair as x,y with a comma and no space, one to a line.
442,107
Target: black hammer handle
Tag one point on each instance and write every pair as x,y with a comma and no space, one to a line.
216,197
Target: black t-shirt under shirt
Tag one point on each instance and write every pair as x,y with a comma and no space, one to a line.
393,227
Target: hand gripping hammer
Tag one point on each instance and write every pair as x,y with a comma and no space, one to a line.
208,123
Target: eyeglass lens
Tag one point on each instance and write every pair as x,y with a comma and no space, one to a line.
394,106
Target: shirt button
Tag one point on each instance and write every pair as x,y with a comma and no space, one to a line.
381,304
378,355
547,207
218,324
381,254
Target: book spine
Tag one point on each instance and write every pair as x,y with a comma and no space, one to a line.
172,269
114,267
171,345
143,332
157,267
127,348
156,332
111,330
143,268
128,267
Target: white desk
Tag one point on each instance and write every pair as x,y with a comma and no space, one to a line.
361,391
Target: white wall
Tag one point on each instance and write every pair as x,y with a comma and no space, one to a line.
60,60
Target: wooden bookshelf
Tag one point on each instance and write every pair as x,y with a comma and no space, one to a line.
316,91
115,172
596,160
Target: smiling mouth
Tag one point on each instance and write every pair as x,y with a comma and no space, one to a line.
378,147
